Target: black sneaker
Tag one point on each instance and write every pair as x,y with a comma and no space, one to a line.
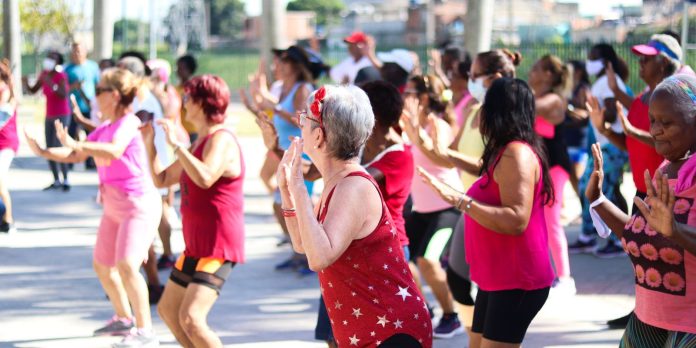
610,251
580,247
449,326
290,263
619,323
53,186
66,187
165,262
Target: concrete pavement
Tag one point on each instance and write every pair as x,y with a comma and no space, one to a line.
50,297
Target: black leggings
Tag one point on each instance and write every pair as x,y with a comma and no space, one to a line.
52,141
400,341
505,315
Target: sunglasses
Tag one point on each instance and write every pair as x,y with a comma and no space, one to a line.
302,115
101,89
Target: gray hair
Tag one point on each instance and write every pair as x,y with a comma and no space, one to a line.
682,89
347,119
132,64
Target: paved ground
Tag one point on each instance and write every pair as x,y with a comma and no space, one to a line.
49,296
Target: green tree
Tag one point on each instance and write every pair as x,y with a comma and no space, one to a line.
41,18
327,11
227,18
126,31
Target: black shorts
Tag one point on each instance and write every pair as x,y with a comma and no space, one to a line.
429,233
460,287
208,271
505,315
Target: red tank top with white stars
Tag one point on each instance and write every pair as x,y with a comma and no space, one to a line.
369,292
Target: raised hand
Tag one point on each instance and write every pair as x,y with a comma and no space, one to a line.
63,136
169,131
449,194
147,131
268,130
628,128
596,115
658,206
594,185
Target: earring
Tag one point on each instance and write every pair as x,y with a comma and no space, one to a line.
315,147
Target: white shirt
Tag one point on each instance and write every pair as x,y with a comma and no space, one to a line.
150,104
348,67
600,90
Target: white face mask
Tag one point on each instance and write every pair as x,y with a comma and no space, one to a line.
594,67
476,89
49,64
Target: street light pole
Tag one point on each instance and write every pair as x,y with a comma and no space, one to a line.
272,26
478,25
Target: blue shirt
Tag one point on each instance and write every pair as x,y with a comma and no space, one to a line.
87,73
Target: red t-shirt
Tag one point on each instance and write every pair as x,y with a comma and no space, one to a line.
640,155
396,163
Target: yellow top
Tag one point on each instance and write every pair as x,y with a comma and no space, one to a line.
184,122
470,144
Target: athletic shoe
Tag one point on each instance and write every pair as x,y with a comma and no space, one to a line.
66,187
619,323
53,186
304,271
564,287
580,247
165,262
449,326
138,339
115,327
7,228
154,293
609,251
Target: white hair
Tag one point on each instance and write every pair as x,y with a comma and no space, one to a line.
347,119
682,90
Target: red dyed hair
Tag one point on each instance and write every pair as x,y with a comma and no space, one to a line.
212,93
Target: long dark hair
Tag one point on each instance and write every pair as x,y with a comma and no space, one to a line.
606,53
508,115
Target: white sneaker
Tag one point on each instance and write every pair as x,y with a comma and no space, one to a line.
138,339
564,287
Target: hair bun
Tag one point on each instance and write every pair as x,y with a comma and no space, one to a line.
515,56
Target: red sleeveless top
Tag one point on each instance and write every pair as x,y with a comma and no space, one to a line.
213,219
369,292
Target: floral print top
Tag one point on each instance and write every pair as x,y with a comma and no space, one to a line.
665,273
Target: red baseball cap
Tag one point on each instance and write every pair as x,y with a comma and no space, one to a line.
355,37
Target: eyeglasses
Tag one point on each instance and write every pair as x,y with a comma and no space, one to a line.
101,89
302,115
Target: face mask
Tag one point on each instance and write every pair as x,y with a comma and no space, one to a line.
49,64
594,67
477,90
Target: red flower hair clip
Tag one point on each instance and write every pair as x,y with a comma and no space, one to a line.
317,105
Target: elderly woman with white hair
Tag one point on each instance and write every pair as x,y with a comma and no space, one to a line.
350,239
658,59
660,237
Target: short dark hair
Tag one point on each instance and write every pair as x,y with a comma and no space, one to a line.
386,102
189,62
673,34
58,55
394,74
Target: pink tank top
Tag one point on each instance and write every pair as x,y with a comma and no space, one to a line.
503,262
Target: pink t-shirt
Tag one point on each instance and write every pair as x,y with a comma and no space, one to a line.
425,199
55,105
665,272
130,173
502,261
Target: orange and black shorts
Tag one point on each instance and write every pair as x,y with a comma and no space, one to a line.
207,271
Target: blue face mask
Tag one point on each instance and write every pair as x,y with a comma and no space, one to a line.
476,89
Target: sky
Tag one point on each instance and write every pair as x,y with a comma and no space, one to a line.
141,8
